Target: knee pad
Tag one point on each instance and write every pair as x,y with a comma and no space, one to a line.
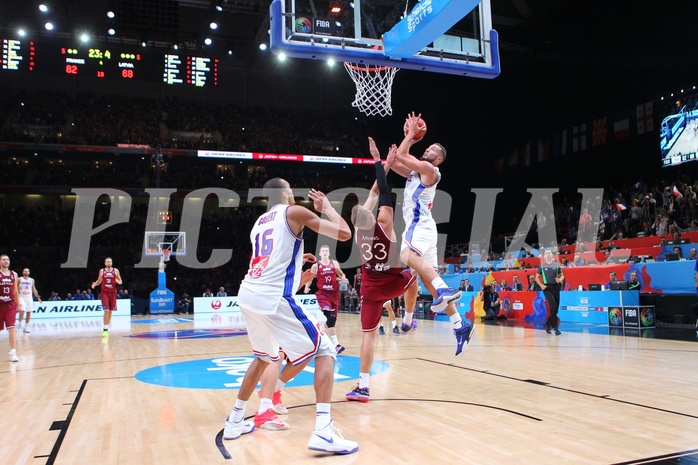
331,319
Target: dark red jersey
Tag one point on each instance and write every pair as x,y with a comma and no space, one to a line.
379,254
327,278
7,287
108,280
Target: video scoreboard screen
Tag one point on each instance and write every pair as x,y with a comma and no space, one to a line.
108,62
17,55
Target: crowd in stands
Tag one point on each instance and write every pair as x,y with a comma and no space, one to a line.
38,234
92,119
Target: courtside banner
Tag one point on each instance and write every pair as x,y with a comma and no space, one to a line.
230,304
78,309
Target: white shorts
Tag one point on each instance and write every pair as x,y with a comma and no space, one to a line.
26,304
422,239
299,334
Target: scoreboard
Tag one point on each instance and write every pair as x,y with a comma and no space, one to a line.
107,62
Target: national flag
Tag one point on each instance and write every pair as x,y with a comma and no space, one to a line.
513,159
645,118
599,131
560,143
526,154
638,185
544,149
676,192
621,128
620,207
579,138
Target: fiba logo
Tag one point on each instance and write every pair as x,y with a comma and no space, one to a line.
303,25
615,317
216,304
647,317
506,305
630,312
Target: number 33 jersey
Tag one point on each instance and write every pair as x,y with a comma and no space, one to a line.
379,254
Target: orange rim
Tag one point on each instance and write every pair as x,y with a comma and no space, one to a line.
370,69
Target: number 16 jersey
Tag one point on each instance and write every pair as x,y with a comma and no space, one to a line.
276,263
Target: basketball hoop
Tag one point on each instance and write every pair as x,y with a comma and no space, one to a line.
166,255
374,85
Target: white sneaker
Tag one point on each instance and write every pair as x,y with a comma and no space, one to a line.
329,439
235,430
13,357
26,330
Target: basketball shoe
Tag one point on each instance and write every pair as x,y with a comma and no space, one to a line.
276,400
381,331
269,420
445,296
360,394
396,330
463,336
329,439
407,328
13,356
235,430
340,348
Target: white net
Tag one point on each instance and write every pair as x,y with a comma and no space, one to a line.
374,85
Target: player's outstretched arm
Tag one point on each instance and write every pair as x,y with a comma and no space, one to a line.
334,226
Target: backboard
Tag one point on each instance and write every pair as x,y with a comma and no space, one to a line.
440,36
157,241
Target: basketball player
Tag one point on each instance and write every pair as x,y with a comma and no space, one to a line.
273,316
108,277
328,273
27,287
382,275
418,250
9,303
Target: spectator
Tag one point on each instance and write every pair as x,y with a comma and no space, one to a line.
221,292
611,277
516,285
208,293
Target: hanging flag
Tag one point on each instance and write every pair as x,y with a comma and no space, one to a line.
645,118
638,185
579,138
620,207
526,154
599,132
676,192
621,128
544,149
513,159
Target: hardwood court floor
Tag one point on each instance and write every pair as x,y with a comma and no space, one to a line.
516,396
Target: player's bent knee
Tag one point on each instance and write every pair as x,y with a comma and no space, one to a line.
331,319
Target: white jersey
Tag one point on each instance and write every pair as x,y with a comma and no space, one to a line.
25,286
276,264
416,206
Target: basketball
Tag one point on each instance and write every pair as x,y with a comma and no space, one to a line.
421,130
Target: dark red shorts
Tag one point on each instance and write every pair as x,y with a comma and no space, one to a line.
376,292
328,302
8,315
108,300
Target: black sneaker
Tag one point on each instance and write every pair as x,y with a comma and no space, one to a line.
381,331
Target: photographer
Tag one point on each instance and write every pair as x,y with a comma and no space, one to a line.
491,303
184,305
